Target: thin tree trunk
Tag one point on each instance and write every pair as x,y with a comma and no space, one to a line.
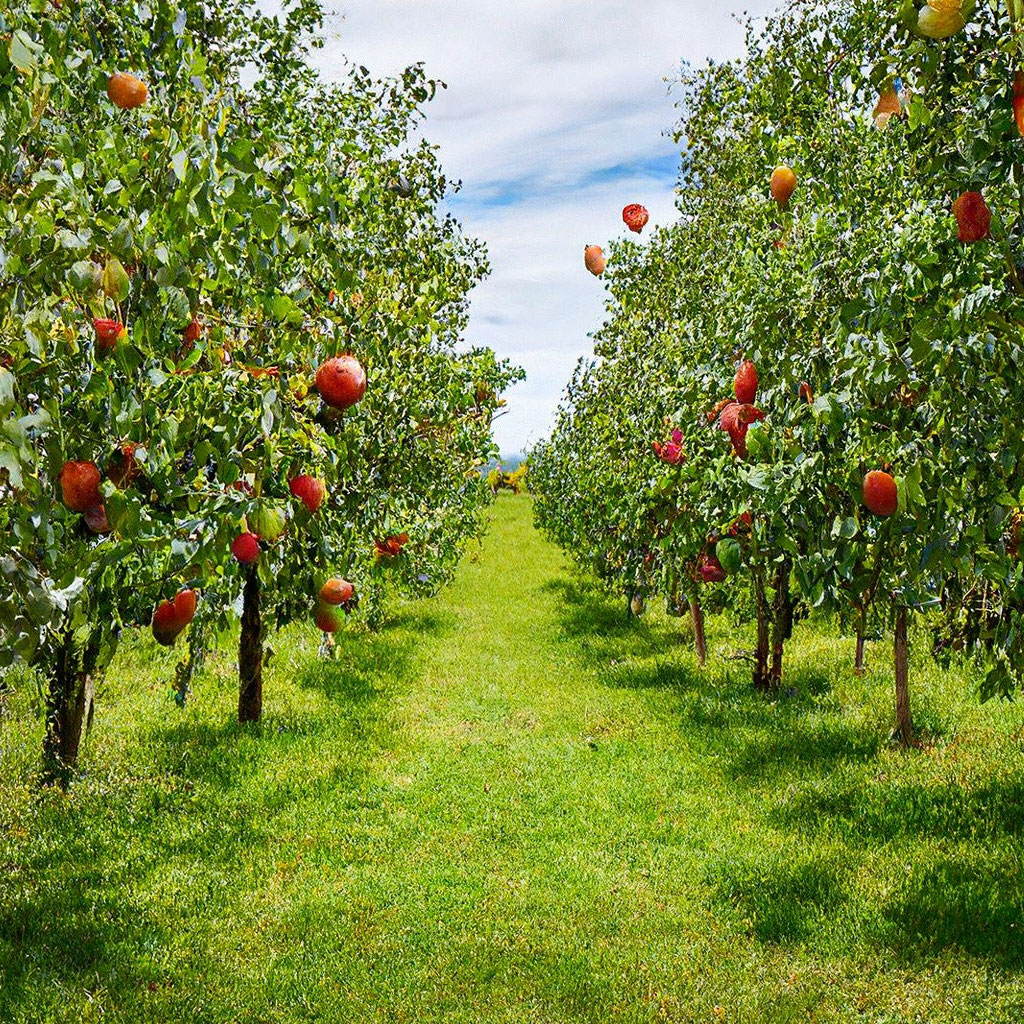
858,661
782,624
901,658
699,640
69,702
250,652
762,679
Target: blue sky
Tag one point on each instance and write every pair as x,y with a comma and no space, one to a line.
554,119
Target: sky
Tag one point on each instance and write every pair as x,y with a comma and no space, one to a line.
555,118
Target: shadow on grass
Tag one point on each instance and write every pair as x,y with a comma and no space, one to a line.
588,612
822,781
893,809
968,904
77,911
781,901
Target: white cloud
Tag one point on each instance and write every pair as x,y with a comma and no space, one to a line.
559,111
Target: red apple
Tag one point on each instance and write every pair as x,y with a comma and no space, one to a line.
336,591
341,381
108,333
391,546
96,519
635,217
80,485
881,495
745,385
308,490
973,217
171,617
710,569
246,548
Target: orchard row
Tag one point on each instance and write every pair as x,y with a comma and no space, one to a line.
232,381
804,398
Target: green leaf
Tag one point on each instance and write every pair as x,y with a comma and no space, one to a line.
24,51
115,281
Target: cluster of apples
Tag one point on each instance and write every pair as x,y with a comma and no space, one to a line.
390,547
670,451
635,217
80,485
341,383
723,556
735,415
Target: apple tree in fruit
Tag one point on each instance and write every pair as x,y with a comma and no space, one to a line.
178,262
881,310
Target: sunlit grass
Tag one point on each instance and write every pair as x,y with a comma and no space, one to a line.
514,805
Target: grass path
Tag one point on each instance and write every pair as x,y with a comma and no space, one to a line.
515,806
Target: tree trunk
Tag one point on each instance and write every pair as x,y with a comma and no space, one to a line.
250,652
699,640
782,624
69,705
901,659
858,662
762,679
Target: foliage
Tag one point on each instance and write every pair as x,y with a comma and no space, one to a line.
259,205
881,340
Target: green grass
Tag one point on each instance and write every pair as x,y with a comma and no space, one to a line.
515,806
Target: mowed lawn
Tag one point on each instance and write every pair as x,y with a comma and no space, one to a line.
514,805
